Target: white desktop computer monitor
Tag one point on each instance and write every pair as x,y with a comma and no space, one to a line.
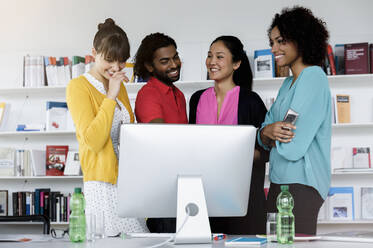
165,169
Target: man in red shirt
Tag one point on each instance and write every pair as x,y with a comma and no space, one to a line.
159,101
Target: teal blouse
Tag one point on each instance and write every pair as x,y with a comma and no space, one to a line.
306,159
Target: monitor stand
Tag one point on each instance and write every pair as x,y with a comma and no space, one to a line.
191,196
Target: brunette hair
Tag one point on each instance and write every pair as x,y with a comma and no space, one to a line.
112,42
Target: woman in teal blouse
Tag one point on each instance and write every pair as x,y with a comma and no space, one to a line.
300,153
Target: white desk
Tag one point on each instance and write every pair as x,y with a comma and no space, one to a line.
143,242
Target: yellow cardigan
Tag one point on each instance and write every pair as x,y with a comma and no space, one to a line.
93,113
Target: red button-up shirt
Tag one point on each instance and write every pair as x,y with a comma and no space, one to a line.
157,100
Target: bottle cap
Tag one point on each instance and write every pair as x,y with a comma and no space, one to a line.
284,188
78,190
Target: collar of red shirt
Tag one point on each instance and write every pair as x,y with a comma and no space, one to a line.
162,86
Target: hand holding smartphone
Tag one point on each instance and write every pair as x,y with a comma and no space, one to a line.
290,117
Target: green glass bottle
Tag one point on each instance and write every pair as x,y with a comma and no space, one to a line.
285,217
77,223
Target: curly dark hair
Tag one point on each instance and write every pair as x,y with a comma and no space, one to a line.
308,32
243,76
112,42
145,53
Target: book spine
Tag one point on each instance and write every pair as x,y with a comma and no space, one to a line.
331,60
23,203
41,209
371,57
28,203
37,201
19,209
15,203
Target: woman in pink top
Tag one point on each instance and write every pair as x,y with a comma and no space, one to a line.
232,102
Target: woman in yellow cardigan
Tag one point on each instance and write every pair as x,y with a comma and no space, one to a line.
98,103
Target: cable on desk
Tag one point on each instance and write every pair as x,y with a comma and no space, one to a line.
172,239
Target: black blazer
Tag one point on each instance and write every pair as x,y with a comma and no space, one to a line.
251,111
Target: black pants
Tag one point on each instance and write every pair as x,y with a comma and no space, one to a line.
307,203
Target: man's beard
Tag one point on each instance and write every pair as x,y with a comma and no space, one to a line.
164,78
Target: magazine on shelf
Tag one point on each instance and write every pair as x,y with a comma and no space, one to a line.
4,115
264,64
56,116
343,106
341,158
72,167
38,162
7,161
56,160
341,203
367,203
361,157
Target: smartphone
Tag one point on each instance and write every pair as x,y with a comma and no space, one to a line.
290,117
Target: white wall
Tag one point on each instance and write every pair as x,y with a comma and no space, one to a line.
67,27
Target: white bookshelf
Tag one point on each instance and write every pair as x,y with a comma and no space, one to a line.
29,104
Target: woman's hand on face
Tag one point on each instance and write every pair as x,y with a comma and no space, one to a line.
114,84
280,131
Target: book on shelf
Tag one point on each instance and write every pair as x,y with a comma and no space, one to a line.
356,58
41,201
343,108
33,71
331,60
19,162
334,117
341,203
339,58
4,115
361,157
264,64
56,116
366,202
56,160
371,57
77,66
6,161
66,70
37,158
51,70
3,202
341,158
72,167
